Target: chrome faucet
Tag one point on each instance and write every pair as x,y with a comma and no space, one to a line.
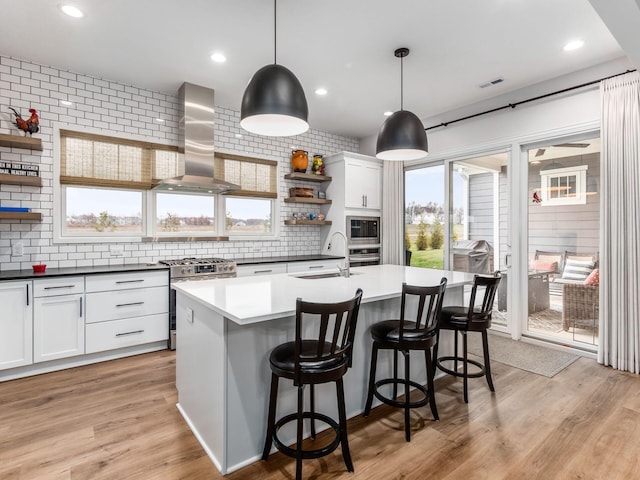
344,271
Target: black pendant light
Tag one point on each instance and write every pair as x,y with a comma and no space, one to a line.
402,135
274,103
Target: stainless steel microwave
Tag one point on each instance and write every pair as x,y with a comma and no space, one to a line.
363,230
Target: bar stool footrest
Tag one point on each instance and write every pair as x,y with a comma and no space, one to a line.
395,403
307,454
480,373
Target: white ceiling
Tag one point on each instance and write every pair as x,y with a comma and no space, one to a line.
344,46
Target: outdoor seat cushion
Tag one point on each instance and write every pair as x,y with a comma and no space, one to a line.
577,270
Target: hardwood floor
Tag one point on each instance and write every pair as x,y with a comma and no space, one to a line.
118,420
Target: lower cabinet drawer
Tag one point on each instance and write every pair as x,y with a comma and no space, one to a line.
126,333
138,302
261,269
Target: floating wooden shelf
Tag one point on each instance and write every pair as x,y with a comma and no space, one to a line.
19,141
306,200
20,180
308,177
20,216
307,222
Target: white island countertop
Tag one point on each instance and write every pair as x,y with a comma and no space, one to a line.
247,300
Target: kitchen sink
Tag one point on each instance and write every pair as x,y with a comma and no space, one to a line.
322,275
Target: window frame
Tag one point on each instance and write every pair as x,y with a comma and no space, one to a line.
546,176
153,214
275,220
149,207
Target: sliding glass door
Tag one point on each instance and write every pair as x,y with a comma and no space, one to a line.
563,242
478,225
424,216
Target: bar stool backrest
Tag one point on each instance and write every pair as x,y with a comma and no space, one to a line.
428,311
482,312
329,330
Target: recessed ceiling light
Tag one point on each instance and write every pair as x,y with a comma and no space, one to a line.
573,45
218,57
388,114
321,91
71,11
66,103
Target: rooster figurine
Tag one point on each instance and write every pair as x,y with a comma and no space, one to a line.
30,126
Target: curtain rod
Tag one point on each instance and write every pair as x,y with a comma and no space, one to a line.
514,105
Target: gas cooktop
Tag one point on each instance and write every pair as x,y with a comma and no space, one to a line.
191,268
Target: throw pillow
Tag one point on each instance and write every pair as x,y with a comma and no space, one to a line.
543,265
594,278
577,270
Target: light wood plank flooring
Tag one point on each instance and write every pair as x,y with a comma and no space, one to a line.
118,420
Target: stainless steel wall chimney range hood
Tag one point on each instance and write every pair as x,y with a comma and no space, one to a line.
196,143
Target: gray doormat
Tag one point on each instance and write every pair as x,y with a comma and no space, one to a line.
525,356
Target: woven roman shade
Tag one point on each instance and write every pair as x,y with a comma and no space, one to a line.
101,161
256,177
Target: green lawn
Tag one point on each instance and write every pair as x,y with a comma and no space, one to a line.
427,258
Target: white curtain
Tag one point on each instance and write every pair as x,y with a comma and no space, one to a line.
393,213
620,213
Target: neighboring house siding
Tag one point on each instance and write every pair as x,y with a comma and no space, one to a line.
574,228
481,208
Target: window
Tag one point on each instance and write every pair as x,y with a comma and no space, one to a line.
564,186
106,185
184,213
248,216
250,210
102,212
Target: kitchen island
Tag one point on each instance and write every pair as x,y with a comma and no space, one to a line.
226,329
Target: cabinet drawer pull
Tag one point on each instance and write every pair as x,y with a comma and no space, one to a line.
60,286
315,266
81,307
130,281
263,271
129,333
129,304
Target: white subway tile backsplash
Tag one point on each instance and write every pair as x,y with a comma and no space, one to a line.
118,109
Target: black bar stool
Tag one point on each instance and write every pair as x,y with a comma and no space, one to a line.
325,357
461,319
403,336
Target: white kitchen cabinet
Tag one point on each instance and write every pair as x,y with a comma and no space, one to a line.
363,182
356,186
16,324
314,266
58,318
261,269
126,309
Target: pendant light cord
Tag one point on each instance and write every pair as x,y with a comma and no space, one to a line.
275,31
402,83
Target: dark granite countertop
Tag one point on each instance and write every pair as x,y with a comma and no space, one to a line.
287,259
60,272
